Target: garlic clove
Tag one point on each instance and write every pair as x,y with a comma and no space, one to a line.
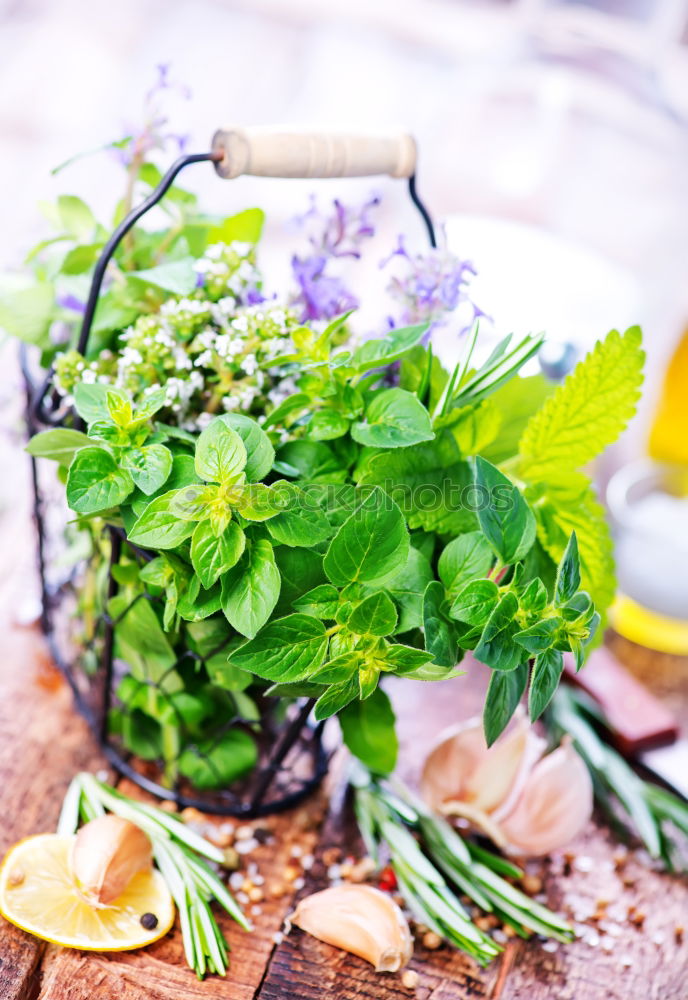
105,856
462,768
554,806
359,919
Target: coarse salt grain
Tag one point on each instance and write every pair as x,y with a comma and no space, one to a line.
245,846
584,864
307,862
278,937
299,883
334,871
549,945
236,880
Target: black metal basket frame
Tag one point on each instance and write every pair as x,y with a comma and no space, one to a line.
44,408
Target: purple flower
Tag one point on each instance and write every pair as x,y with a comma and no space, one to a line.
71,302
434,285
320,296
338,234
153,133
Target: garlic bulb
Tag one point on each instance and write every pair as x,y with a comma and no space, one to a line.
526,803
106,854
359,919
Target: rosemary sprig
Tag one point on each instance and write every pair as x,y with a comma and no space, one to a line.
428,865
180,855
652,813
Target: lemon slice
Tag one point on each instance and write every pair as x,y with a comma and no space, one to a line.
38,894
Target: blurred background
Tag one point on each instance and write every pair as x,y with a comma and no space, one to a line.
553,136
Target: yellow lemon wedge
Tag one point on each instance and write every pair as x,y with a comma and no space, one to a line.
38,894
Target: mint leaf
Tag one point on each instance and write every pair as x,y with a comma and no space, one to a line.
337,697
505,517
60,444
259,451
568,573
504,692
429,482
376,615
251,588
321,602
212,556
539,636
148,466
215,763
394,418
544,680
497,647
90,400
371,544
588,411
95,482
301,521
159,527
440,640
368,730
475,602
377,353
286,650
326,425
220,453
465,558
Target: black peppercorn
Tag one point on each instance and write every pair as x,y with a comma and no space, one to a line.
149,921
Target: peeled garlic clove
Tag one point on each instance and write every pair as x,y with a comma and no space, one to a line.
359,919
462,768
106,854
554,805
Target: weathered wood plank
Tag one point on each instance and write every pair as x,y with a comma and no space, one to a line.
42,743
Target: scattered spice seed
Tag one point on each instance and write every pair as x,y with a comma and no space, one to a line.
231,858
678,933
255,894
149,921
636,917
532,884
192,815
569,858
291,873
277,889
410,979
331,856
168,806
262,835
432,941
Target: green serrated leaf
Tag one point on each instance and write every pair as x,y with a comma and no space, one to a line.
251,588
504,692
440,640
60,444
286,650
159,526
475,602
259,451
375,615
466,558
220,453
587,412
211,556
497,647
149,466
394,418
544,680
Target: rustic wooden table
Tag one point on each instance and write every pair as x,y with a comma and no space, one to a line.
43,742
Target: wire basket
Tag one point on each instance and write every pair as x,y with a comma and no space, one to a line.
230,752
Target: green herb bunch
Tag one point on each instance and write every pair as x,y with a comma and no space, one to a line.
303,512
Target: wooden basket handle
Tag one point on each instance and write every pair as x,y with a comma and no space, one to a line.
270,152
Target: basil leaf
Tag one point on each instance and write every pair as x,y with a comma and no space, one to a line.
371,544
337,697
407,588
301,522
220,453
320,602
534,597
149,466
259,450
60,444
404,660
301,570
505,517
475,603
539,636
368,730
503,695
251,588
314,460
141,642
286,650
211,556
544,680
341,668
440,640
465,558
159,527
394,418
95,482
197,604
376,615
497,647
568,572
214,764
255,501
